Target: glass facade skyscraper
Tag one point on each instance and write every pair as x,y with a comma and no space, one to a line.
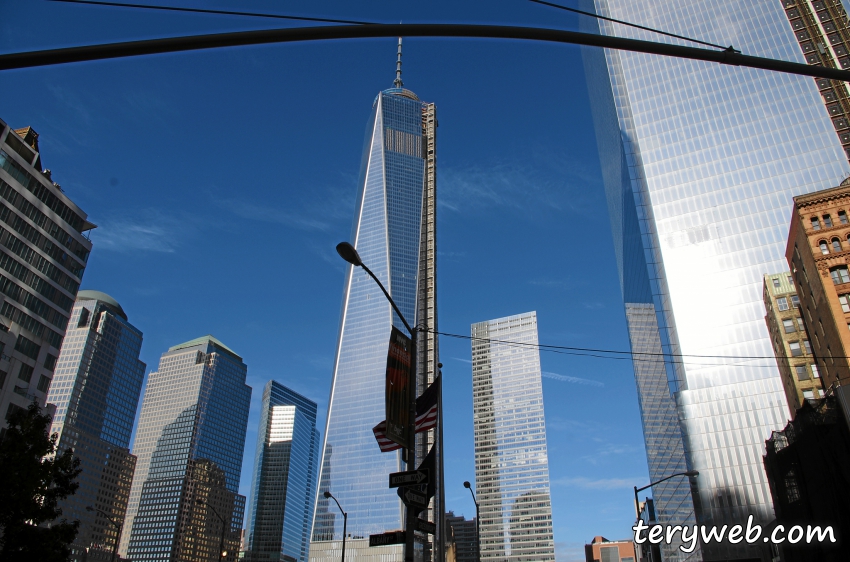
700,164
394,233
511,461
96,387
189,444
283,492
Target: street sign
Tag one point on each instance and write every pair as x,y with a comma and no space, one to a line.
409,478
426,527
398,388
414,499
385,539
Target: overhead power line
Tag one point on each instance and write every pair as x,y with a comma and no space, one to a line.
203,11
597,16
288,35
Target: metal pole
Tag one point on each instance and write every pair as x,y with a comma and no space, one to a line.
114,524
477,519
344,531
411,441
221,543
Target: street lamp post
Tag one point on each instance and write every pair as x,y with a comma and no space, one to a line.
689,474
477,519
349,254
221,551
344,521
114,524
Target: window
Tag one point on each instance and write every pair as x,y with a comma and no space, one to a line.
782,303
808,346
25,374
800,325
50,362
815,373
836,245
789,326
824,249
827,221
815,223
790,280
802,373
27,347
795,302
842,217
2,378
43,383
840,274
795,349
84,318
845,302
776,282
808,395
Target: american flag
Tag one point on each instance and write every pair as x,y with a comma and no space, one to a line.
426,417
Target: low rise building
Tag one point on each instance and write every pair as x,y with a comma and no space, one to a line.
601,549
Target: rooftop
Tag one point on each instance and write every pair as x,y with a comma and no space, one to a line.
104,298
208,339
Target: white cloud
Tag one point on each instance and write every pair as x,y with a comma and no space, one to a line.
599,483
575,380
149,230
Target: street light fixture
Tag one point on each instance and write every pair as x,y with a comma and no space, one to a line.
114,524
477,519
344,518
349,254
221,552
689,474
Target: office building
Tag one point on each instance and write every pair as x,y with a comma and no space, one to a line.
806,464
96,386
601,549
283,491
511,462
464,536
791,344
184,502
394,233
817,252
701,162
44,247
821,29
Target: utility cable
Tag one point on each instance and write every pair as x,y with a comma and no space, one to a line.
203,11
597,16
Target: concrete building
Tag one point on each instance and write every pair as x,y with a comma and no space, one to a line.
701,162
511,462
823,33
601,549
96,387
791,345
465,537
44,248
817,252
283,491
184,503
394,232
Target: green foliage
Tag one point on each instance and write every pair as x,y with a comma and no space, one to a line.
32,482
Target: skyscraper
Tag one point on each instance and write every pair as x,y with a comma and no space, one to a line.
511,462
96,388
394,232
283,492
700,166
189,444
44,247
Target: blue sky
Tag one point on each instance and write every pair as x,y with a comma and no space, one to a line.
222,180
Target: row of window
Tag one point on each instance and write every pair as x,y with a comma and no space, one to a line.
827,220
797,349
782,302
803,372
835,243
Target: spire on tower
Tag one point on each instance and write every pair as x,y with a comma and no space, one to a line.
397,83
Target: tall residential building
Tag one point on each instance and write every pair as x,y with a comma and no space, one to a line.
791,345
283,492
189,444
818,253
465,537
96,387
44,247
823,33
395,233
701,162
511,463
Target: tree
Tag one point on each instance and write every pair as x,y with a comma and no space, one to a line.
33,479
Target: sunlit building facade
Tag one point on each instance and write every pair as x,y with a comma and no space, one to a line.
700,164
189,443
44,248
511,461
96,388
283,491
394,233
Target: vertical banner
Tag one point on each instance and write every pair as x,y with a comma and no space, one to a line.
398,393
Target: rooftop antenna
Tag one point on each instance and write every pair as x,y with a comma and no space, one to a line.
397,83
